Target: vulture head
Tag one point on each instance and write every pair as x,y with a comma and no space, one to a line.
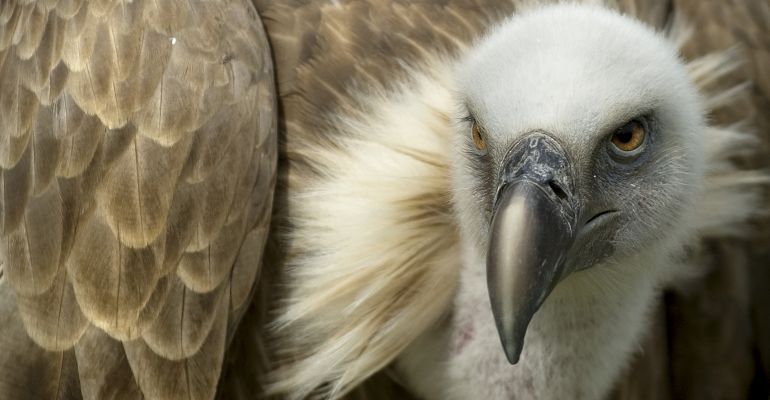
580,144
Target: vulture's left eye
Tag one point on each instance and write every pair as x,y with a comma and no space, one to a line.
478,139
629,137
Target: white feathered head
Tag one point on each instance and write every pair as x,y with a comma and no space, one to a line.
582,143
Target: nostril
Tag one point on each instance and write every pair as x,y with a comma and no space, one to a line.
557,190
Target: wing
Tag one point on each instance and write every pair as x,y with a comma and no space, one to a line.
137,166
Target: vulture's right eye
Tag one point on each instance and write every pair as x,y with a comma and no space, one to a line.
478,139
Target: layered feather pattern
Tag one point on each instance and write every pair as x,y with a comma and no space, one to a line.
137,159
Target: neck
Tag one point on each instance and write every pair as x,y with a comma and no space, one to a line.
575,347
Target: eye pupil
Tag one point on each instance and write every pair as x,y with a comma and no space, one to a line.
624,136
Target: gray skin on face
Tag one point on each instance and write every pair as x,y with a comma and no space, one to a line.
611,203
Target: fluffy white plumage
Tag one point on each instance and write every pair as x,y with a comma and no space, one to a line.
387,256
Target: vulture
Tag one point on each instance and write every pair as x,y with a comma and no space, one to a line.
365,198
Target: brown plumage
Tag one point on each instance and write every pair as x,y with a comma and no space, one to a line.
137,160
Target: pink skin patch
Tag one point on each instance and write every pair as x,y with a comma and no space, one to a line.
463,336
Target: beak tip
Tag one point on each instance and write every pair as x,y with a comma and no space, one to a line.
512,353
511,337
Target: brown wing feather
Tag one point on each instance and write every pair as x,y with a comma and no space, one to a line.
194,377
137,160
30,371
103,369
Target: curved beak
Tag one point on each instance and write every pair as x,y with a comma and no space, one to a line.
533,228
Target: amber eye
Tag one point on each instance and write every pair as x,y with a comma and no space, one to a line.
629,137
478,140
